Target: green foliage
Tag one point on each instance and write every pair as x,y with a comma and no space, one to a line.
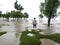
7,15
51,5
3,15
19,14
41,16
2,33
41,10
16,14
49,9
18,6
26,15
13,14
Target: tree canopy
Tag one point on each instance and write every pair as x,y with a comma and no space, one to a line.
49,9
18,6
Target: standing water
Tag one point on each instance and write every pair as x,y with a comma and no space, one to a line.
14,30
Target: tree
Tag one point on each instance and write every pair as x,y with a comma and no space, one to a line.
40,16
16,14
3,16
41,10
50,8
18,6
19,14
26,15
7,15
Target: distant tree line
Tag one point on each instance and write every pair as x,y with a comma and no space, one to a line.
15,14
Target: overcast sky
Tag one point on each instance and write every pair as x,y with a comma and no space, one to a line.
30,6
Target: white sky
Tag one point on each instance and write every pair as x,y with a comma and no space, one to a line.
30,6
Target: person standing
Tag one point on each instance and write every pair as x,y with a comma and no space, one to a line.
34,23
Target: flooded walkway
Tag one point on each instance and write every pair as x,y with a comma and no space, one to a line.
14,30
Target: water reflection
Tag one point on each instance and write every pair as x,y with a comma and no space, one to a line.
9,39
48,42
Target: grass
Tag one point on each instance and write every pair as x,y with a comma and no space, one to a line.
2,33
35,40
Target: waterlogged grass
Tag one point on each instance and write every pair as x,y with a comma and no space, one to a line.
54,37
26,39
2,33
5,24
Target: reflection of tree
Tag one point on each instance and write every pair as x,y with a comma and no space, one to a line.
17,34
49,30
18,29
18,26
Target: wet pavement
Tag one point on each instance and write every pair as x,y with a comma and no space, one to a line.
14,30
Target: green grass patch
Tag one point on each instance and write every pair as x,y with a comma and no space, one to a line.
2,33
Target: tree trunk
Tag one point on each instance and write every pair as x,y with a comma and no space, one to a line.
49,18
